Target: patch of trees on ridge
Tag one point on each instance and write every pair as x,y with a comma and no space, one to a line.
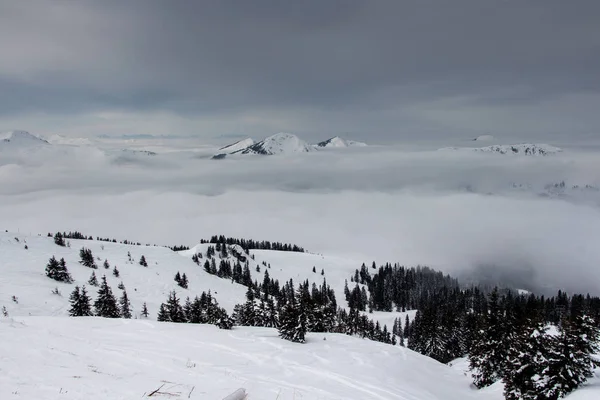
249,244
504,334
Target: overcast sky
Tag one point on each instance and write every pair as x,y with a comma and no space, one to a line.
376,71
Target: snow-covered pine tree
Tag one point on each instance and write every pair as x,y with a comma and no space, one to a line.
487,355
59,239
125,306
184,281
527,361
106,304
57,270
87,258
80,303
571,361
106,265
171,311
115,272
93,281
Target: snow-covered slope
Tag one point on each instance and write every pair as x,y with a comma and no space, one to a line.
14,139
338,142
239,145
97,359
280,143
527,149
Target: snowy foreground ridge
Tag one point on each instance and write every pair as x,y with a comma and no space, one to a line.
95,358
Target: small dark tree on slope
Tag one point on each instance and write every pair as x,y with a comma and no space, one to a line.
171,311
87,258
125,306
59,239
80,303
145,310
106,265
106,304
143,261
57,270
93,280
115,272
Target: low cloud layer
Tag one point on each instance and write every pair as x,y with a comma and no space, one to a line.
459,212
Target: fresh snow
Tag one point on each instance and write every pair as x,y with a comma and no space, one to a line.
239,145
483,138
20,139
338,142
94,358
280,143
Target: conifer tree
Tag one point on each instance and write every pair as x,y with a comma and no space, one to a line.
143,261
57,270
163,314
125,306
106,265
572,361
80,303
87,258
59,239
145,310
93,281
115,272
106,304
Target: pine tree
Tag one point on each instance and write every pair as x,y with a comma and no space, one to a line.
59,239
93,281
125,306
184,281
145,310
106,265
571,362
57,270
163,314
87,258
489,348
143,261
526,362
171,311
178,278
115,272
80,303
106,304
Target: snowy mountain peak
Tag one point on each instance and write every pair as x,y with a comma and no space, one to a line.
21,138
337,141
237,146
280,143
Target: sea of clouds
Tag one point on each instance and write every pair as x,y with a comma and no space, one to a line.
477,215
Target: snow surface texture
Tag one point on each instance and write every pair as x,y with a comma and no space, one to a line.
94,358
517,149
280,143
338,142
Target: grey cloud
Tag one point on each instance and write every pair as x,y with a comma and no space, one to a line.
203,59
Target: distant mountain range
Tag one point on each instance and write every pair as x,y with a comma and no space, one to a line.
526,149
283,143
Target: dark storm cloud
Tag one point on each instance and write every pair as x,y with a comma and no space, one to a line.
202,58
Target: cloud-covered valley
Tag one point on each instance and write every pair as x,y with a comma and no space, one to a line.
508,216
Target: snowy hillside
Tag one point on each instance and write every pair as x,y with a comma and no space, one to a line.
70,141
338,142
95,358
280,143
517,149
239,145
15,139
